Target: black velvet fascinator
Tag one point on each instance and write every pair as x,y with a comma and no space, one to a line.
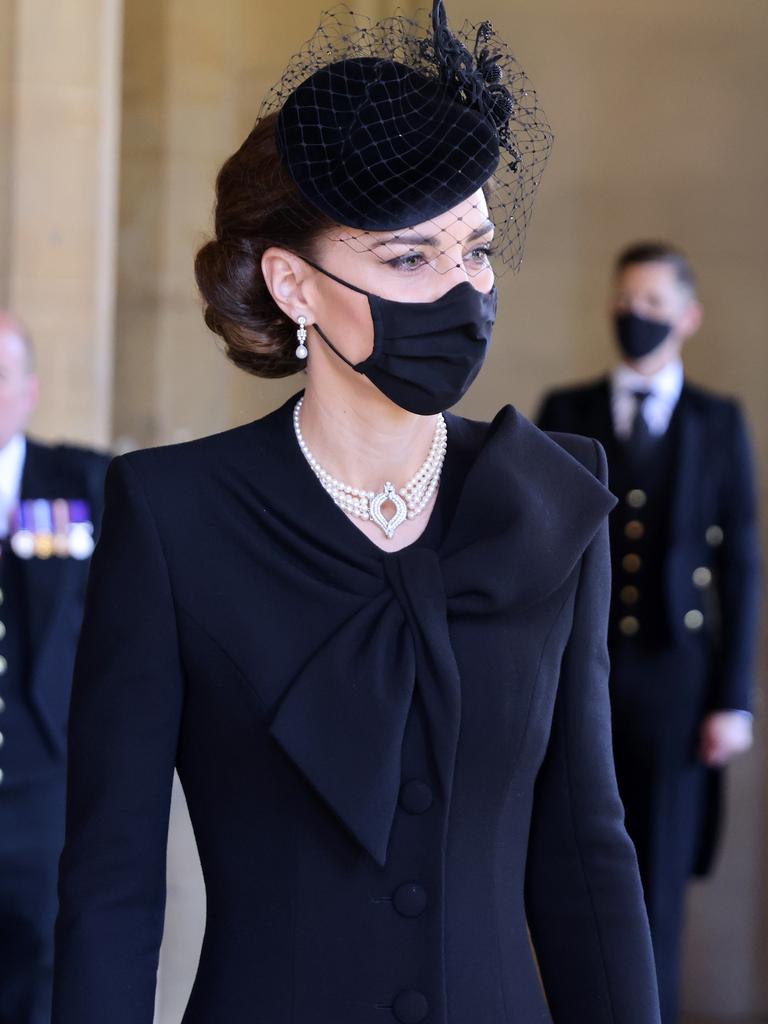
387,125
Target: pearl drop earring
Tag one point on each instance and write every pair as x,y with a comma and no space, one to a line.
301,337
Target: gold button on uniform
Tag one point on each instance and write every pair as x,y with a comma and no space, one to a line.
702,576
629,594
714,535
3,665
636,498
634,529
629,625
631,563
694,619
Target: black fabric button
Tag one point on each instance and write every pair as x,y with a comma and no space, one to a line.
410,900
410,1007
416,796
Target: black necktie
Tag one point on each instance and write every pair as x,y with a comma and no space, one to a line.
640,441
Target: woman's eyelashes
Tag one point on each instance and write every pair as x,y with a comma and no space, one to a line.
409,261
485,251
480,255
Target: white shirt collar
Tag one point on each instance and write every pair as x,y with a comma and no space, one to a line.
12,458
12,465
666,384
665,387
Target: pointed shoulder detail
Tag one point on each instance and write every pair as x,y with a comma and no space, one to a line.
588,451
531,504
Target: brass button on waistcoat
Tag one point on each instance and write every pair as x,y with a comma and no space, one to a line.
636,498
634,529
702,576
714,535
629,594
631,563
629,625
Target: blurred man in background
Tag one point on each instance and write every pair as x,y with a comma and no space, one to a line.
50,503
685,555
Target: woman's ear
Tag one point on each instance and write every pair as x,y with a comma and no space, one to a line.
285,275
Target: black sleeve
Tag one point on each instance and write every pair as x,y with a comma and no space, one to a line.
124,723
739,572
584,899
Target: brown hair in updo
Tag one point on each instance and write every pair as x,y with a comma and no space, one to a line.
257,206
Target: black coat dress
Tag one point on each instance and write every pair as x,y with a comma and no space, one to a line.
393,762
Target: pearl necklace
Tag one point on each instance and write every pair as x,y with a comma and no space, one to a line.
409,501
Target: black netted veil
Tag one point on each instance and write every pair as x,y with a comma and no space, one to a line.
387,125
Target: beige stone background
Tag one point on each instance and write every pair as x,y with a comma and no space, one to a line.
114,117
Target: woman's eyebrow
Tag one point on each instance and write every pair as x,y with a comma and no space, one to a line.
484,229
414,238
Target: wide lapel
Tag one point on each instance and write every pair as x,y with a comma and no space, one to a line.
690,462
43,577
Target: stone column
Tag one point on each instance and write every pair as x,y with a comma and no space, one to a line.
6,135
62,183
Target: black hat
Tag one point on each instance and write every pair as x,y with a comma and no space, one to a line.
377,145
385,125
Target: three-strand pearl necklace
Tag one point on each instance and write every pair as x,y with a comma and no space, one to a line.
408,502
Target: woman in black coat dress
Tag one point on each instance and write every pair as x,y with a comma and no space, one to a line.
387,704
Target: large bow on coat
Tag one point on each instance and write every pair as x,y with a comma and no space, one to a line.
526,514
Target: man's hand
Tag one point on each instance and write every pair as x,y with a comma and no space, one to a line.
723,735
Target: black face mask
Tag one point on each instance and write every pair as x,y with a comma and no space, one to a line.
638,337
425,354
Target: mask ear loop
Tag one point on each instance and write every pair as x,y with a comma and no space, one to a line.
321,332
338,280
330,345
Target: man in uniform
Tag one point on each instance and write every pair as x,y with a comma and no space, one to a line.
685,556
50,501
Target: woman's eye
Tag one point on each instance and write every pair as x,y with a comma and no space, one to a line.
414,260
410,261
483,253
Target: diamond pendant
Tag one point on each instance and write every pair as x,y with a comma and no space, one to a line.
398,516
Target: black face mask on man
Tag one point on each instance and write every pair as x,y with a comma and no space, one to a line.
425,354
638,336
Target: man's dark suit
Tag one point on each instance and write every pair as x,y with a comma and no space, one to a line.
41,611
683,629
